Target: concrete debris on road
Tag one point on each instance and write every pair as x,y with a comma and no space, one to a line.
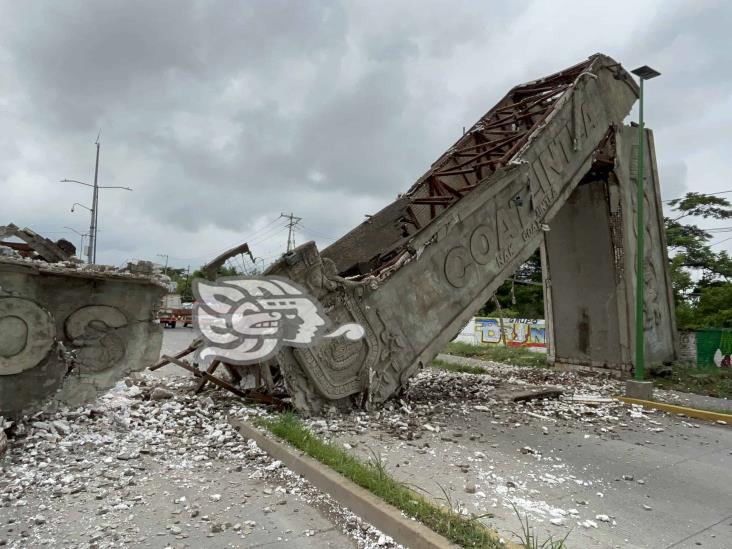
553,459
128,470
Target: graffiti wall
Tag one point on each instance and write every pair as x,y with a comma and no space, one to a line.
713,348
517,332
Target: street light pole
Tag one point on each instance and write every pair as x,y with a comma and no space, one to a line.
165,271
82,235
644,73
93,224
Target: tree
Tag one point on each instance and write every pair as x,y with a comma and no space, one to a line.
701,277
521,296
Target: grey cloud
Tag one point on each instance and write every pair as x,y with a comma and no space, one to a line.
221,114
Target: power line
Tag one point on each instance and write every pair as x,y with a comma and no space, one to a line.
682,197
268,235
721,241
318,233
262,238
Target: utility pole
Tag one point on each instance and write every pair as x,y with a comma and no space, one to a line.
94,210
293,221
165,271
188,277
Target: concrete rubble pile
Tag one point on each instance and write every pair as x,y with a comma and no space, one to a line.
434,396
69,331
115,460
453,431
550,165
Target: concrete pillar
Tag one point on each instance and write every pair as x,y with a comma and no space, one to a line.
589,266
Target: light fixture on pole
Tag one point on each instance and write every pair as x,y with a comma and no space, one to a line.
75,204
643,73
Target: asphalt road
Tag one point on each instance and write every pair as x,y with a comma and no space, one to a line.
658,481
620,478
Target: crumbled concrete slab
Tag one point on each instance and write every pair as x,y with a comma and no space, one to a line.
70,332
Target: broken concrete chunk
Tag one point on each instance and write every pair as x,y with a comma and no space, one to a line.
69,332
160,393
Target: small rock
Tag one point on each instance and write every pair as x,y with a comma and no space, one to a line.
39,519
62,426
159,393
470,488
647,507
627,477
216,527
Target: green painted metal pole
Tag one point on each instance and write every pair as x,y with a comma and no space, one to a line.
640,339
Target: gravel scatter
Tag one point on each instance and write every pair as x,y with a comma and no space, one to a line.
128,471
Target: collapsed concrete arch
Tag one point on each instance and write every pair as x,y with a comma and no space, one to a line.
552,154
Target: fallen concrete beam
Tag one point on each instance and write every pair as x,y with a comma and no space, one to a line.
415,272
47,250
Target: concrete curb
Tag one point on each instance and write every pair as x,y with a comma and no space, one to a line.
673,409
385,517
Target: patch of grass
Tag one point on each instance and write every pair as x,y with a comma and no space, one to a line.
515,356
462,368
681,377
372,475
529,540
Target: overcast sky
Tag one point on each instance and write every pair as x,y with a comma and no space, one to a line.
222,115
